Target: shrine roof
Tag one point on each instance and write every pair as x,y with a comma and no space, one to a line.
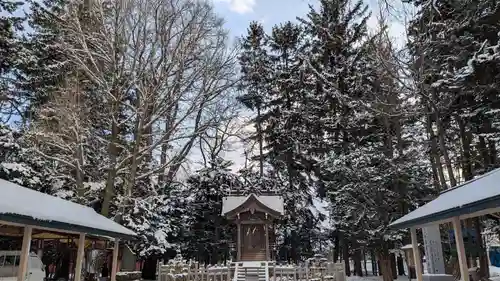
273,202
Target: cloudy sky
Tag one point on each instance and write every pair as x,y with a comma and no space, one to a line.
239,13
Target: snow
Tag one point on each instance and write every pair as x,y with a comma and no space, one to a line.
494,275
22,201
494,271
232,202
476,190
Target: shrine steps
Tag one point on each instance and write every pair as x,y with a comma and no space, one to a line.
251,271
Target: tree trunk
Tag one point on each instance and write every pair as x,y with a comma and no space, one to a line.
493,153
336,248
394,271
385,267
364,263
374,263
483,151
345,253
466,158
436,165
483,257
358,271
259,135
444,151
111,173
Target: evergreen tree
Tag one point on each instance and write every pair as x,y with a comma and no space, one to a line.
451,56
10,51
21,166
210,234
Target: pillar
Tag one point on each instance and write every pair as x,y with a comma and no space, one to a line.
266,228
238,243
416,254
40,248
25,252
114,263
459,241
79,257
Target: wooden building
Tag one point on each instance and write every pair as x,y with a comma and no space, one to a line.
253,216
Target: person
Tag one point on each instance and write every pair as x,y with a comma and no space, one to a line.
104,272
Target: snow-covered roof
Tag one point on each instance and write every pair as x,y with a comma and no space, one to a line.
29,207
475,195
273,202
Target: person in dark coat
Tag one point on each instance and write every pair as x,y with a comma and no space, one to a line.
105,271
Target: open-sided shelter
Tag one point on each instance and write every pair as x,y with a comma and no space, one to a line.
477,197
29,209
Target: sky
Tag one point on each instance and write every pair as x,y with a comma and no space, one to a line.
239,13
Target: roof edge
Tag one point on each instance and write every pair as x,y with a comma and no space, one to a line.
272,211
55,226
492,202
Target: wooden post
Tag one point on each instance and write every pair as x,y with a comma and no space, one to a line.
79,257
416,254
268,256
238,243
114,263
459,241
25,252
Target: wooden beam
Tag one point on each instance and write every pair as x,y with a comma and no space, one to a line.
268,256
79,257
459,241
114,263
416,254
25,252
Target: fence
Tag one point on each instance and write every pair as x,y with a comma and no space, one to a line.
197,272
327,271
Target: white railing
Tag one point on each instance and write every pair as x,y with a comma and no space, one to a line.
274,272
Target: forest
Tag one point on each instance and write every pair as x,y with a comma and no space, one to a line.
131,107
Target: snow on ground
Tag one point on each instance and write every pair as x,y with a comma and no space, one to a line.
494,276
495,271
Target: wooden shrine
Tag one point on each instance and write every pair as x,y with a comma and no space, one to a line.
253,215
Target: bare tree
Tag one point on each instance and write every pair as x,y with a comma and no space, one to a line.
155,66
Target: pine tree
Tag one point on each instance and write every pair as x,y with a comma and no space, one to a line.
450,54
209,234
10,25
20,165
255,63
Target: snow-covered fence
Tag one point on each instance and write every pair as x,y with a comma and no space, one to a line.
325,272
195,272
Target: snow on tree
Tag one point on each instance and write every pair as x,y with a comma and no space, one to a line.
160,95
209,234
16,164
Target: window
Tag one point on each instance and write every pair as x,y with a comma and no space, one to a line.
11,261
